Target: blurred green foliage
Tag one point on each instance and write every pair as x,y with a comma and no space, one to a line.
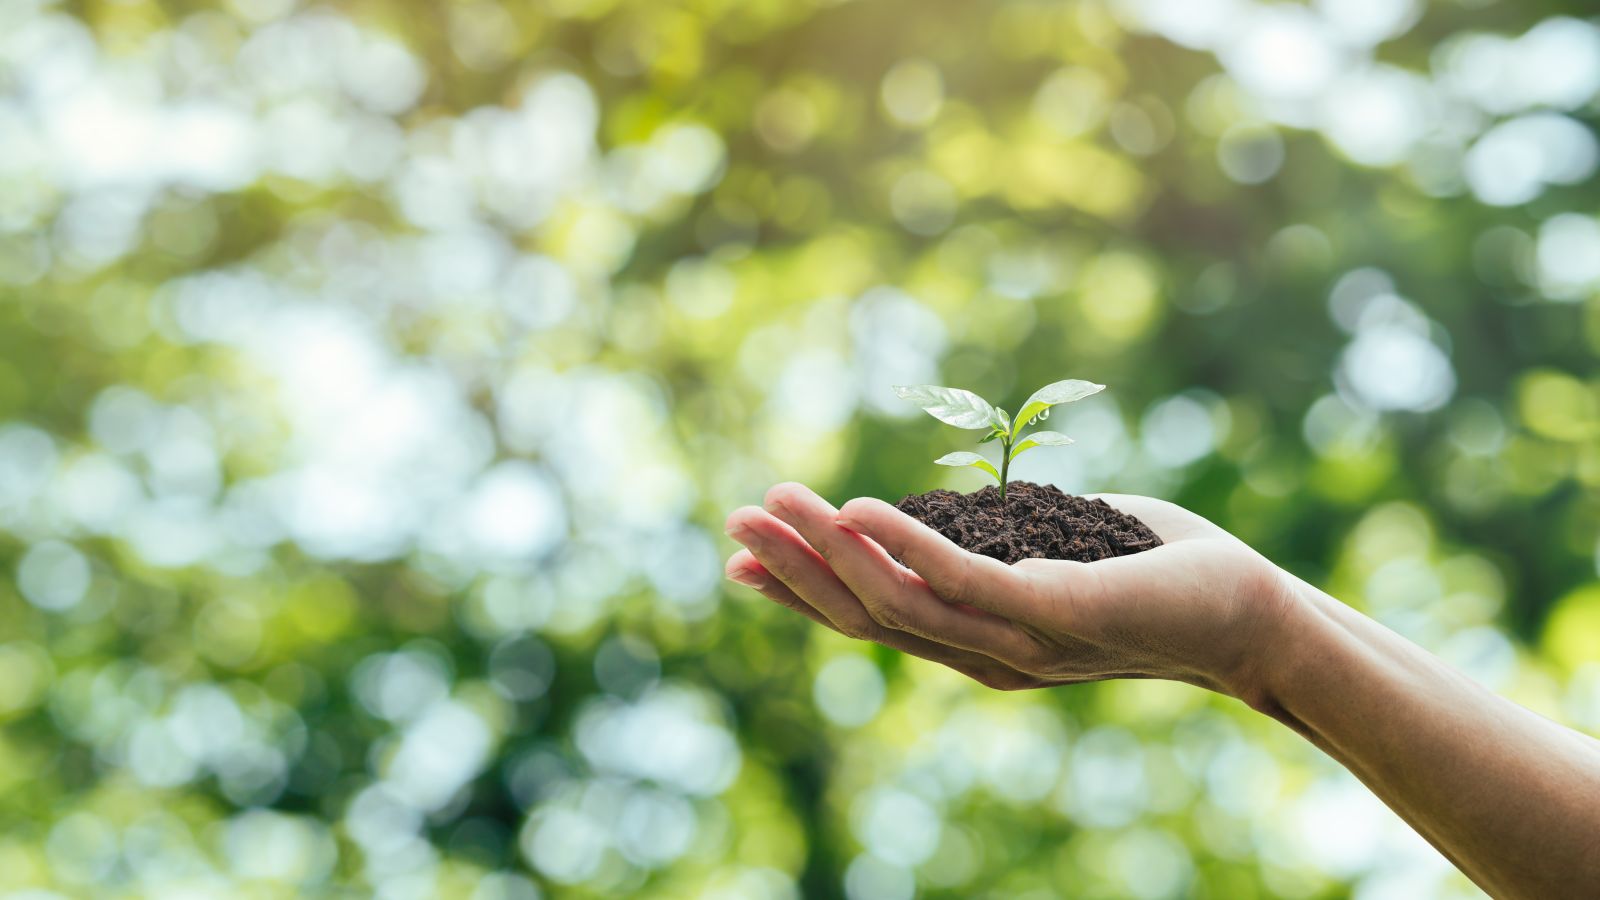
374,377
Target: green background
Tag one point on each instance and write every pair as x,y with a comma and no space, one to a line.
375,376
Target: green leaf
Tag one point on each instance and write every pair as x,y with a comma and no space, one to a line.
1041,439
963,458
991,436
953,406
1052,394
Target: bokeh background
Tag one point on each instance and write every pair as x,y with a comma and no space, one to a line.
375,376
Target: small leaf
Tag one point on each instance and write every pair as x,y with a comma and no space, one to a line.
952,406
991,436
1002,420
1052,394
1041,439
964,458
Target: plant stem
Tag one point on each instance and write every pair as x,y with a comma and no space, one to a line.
1005,466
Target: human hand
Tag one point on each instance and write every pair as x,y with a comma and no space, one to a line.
1196,609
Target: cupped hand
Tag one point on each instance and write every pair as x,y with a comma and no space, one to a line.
1195,609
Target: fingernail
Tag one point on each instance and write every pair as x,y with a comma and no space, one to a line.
746,577
844,521
739,532
777,506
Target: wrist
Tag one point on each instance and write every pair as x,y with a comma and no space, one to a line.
1287,622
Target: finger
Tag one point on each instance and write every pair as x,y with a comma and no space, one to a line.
952,573
894,596
794,563
745,569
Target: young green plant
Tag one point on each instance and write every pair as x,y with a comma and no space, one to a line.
964,409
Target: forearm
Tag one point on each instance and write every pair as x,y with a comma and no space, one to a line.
1511,797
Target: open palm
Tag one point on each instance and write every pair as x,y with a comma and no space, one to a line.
1186,610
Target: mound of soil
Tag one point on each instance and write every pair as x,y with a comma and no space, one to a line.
1036,521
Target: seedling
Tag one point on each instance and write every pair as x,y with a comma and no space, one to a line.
964,409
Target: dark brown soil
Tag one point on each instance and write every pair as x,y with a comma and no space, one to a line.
1036,521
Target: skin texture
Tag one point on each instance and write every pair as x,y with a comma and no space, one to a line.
1511,798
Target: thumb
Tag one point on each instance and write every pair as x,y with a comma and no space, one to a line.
1094,599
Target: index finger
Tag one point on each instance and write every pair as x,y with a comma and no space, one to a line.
952,572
